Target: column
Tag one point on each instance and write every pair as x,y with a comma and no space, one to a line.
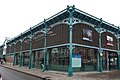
119,60
118,49
14,63
45,31
9,54
100,49
31,61
70,10
21,57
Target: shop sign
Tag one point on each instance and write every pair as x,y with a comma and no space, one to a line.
76,60
87,35
110,40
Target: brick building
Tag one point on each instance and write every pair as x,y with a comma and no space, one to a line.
71,40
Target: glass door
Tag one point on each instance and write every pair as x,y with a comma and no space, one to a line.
104,60
113,61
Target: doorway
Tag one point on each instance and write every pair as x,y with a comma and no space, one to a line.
113,61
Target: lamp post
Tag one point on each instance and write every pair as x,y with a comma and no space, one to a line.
31,55
100,48
71,11
45,49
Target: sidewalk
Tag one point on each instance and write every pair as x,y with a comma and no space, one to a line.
57,75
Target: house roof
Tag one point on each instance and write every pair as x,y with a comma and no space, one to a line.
63,15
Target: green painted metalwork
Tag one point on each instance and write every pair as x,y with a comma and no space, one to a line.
118,48
100,49
9,54
15,60
70,10
45,51
31,61
21,57
119,60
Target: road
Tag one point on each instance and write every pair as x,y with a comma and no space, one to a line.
8,74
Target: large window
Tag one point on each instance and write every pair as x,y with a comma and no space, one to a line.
59,56
18,58
26,58
88,58
38,58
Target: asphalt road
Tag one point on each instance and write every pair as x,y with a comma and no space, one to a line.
8,74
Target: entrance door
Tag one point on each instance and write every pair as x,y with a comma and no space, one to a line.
105,60
18,58
113,61
38,59
89,59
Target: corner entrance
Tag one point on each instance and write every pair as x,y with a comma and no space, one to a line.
110,60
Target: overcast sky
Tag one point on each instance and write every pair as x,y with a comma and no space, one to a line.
16,16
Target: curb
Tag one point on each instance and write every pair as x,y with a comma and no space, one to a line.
26,73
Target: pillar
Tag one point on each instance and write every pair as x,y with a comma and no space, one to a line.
118,49
100,49
45,31
119,60
9,54
21,57
70,10
31,55
15,60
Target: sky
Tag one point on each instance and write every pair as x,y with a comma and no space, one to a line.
17,16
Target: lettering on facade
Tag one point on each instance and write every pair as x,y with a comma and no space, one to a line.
38,37
109,40
51,33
